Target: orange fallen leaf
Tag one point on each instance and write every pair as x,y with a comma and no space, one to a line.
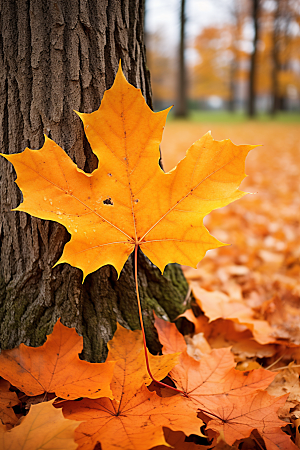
216,305
119,206
233,400
134,419
8,399
135,424
171,340
214,373
43,428
56,367
126,349
237,417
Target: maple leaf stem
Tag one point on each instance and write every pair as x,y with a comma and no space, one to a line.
142,325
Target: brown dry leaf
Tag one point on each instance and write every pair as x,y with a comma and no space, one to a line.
296,423
249,348
197,346
43,428
8,399
284,318
221,445
56,367
287,382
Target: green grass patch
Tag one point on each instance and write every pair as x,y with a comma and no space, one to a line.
236,117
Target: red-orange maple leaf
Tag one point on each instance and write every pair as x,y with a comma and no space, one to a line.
134,420
56,367
233,400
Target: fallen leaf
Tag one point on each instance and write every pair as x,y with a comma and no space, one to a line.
248,348
171,340
216,305
136,417
219,333
136,424
214,373
233,400
287,382
197,346
43,428
8,399
56,367
117,207
284,317
235,418
296,423
126,349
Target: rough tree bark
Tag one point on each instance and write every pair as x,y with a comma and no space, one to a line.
57,56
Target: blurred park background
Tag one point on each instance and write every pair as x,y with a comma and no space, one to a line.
233,67
240,56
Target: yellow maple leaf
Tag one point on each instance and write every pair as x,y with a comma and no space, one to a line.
128,200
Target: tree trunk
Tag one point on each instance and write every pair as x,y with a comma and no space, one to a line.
57,57
253,61
275,59
181,107
232,86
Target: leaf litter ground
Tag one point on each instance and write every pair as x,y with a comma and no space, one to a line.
221,401
247,295
231,405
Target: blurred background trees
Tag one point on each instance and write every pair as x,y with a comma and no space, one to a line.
239,55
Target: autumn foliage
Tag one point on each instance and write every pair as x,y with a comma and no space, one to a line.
129,202
229,402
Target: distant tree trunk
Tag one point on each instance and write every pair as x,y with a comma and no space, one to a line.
275,59
232,86
283,16
57,56
236,9
253,61
181,107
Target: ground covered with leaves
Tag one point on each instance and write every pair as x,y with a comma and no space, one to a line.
239,365
247,294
